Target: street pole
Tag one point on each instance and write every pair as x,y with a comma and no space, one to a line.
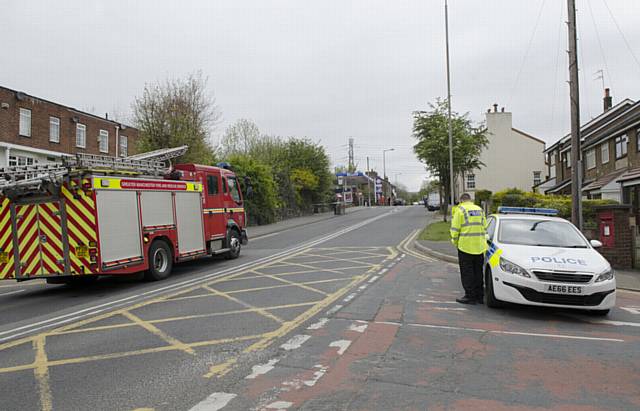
384,173
574,97
446,25
368,182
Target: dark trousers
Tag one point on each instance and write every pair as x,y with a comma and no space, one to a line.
471,273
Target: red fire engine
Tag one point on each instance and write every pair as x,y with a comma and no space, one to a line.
100,215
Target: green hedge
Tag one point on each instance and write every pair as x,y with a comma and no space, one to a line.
517,198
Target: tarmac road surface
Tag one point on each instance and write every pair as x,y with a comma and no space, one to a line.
339,315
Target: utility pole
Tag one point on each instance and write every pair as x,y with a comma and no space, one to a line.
451,176
368,182
574,96
351,162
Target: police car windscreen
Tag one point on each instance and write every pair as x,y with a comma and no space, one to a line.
543,233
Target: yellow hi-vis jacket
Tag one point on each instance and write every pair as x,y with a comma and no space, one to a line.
468,229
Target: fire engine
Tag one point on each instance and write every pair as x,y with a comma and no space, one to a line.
98,215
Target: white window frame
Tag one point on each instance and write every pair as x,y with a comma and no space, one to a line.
21,161
81,143
604,148
25,122
471,181
624,146
54,125
123,146
590,159
537,177
103,141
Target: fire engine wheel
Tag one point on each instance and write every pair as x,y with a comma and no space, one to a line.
235,244
160,261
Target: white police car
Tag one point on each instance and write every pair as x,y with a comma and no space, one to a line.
535,258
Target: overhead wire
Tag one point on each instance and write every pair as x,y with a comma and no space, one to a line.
528,49
555,79
622,34
604,57
581,71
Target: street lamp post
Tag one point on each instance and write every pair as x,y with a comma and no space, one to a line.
384,171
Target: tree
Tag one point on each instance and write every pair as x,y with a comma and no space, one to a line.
239,137
176,112
430,128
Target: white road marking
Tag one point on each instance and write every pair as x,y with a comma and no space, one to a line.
214,402
384,270
295,342
362,287
449,308
436,302
279,405
373,279
318,325
359,328
561,336
632,310
200,279
612,322
342,345
437,280
12,292
334,309
403,256
261,369
316,375
349,297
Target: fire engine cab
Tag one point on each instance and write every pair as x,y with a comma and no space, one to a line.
99,215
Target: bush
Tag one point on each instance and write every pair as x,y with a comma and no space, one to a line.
261,207
482,195
518,198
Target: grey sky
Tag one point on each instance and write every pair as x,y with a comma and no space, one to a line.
325,69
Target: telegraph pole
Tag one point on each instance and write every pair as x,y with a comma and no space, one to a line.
368,182
451,177
574,96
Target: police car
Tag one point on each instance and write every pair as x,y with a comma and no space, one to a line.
536,258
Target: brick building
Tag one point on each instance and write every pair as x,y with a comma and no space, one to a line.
36,130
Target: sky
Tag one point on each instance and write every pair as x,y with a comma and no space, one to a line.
328,70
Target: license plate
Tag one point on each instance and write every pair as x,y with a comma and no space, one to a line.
4,258
82,251
563,289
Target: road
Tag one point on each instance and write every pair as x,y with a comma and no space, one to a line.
343,315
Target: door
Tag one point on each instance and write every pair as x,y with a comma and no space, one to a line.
215,223
39,239
233,201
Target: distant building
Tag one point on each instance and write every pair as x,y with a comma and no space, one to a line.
36,130
512,159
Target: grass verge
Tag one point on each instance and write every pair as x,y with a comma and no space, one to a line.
436,232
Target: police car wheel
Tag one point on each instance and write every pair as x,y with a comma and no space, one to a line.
234,243
598,313
491,300
160,261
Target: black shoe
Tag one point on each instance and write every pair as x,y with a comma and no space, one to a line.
466,300
480,300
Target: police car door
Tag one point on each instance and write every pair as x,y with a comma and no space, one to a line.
491,228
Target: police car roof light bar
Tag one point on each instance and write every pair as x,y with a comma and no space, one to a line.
528,210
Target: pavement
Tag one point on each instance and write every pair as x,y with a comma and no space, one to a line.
341,315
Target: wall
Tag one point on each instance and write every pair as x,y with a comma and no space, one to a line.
41,110
621,254
510,157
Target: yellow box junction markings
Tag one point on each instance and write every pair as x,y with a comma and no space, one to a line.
41,363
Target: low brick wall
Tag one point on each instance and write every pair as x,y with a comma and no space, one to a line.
620,254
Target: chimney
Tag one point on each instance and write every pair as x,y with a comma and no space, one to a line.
502,110
495,108
607,100
106,116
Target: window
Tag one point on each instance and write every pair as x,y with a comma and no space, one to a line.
471,181
21,161
103,141
212,185
124,146
621,146
537,177
25,122
540,233
591,159
81,135
566,159
491,226
604,152
233,189
54,129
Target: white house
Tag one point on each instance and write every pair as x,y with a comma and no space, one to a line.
512,159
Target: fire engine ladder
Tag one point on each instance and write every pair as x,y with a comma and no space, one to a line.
31,177
163,154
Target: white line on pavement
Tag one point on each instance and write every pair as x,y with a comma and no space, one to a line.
342,345
374,278
357,327
295,342
214,402
318,325
562,336
261,369
334,309
12,292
